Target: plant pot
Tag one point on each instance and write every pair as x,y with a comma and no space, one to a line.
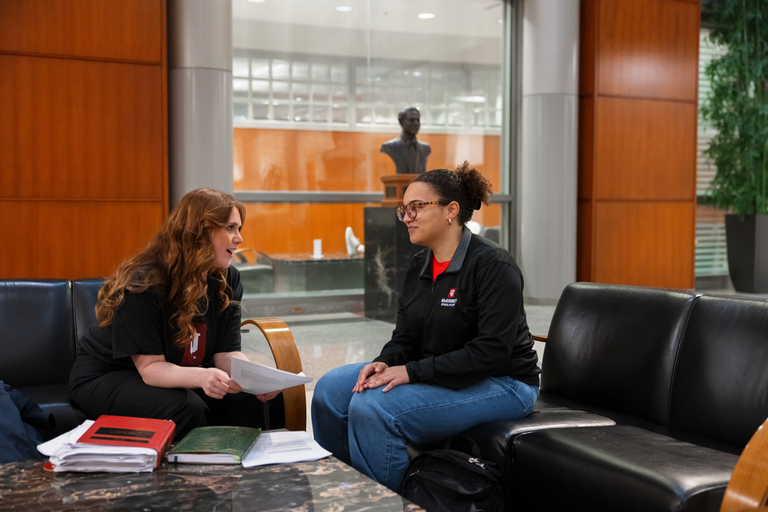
747,242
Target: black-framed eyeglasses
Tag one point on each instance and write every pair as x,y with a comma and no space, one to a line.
412,208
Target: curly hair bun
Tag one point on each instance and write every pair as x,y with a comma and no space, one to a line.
476,186
465,185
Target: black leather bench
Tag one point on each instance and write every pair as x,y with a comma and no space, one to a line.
648,398
41,322
38,345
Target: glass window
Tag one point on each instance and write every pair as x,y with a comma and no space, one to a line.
281,69
239,88
711,258
259,68
240,110
240,67
259,90
300,71
336,104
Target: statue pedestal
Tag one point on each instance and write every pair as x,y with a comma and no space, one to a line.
388,249
394,188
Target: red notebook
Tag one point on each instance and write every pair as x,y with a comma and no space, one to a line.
128,431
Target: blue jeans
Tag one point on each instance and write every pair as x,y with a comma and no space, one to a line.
370,430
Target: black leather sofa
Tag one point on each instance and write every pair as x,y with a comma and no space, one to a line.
41,322
648,396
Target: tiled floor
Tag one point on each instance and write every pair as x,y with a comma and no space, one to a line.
330,340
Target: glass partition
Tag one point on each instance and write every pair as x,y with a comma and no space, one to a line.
317,91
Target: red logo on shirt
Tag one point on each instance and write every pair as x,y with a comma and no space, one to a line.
194,353
452,293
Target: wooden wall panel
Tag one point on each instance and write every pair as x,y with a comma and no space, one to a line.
586,146
72,239
267,159
99,29
80,129
645,149
637,141
584,230
648,48
645,244
587,46
290,228
83,129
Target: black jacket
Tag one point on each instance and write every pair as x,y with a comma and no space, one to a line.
469,324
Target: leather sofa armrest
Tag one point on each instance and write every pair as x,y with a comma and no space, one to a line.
287,358
748,486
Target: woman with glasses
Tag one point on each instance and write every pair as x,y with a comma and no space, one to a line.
461,353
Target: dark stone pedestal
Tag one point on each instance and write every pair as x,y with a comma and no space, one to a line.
387,253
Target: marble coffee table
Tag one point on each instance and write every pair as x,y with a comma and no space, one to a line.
327,484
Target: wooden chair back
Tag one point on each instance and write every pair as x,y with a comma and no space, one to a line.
287,358
748,487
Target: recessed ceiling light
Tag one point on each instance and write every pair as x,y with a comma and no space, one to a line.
257,1
426,16
501,21
343,8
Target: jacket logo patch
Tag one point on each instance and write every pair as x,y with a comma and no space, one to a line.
451,300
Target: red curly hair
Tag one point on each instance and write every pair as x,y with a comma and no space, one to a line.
175,262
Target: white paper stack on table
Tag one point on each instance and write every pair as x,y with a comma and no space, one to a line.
259,379
284,448
66,454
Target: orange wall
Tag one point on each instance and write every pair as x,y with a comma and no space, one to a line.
83,167
637,141
268,159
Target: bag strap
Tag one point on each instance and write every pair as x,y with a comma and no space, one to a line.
463,443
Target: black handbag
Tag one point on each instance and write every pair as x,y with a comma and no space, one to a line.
455,480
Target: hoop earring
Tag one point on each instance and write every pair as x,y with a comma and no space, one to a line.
449,221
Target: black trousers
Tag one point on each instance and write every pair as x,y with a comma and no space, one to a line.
124,393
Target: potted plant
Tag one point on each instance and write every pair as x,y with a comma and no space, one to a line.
737,107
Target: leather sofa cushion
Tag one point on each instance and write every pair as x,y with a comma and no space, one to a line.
85,294
548,401
36,333
615,347
495,438
720,389
617,468
55,399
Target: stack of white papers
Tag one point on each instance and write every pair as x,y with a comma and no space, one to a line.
283,448
66,454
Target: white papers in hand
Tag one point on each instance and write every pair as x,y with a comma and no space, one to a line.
259,379
283,448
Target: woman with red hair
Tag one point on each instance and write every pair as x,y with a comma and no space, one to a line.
169,326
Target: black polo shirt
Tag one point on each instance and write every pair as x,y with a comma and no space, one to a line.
467,325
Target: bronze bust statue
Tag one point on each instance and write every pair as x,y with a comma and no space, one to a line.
409,155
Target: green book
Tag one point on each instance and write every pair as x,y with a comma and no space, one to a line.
215,445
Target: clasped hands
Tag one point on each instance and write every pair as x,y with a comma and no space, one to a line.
216,383
374,375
